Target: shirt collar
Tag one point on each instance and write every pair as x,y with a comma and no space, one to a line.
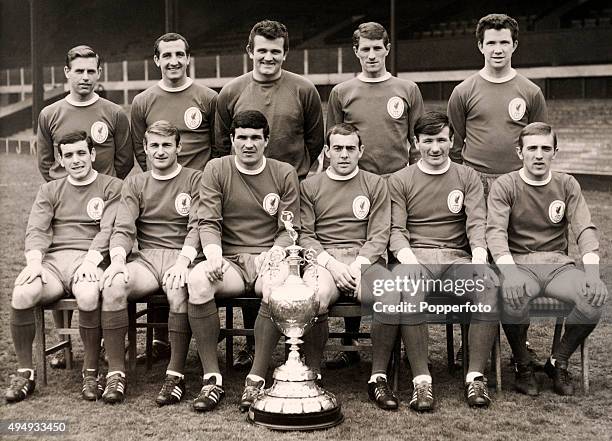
83,183
336,177
167,177
245,171
89,102
188,83
423,167
531,181
491,79
365,79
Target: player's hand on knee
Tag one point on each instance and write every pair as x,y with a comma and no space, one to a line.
114,269
176,276
595,291
86,272
214,268
485,272
30,273
514,293
345,282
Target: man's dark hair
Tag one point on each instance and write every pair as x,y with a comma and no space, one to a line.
537,128
81,51
342,129
170,36
74,137
271,30
497,22
372,31
250,119
432,123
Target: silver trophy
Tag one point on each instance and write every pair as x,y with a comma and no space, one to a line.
294,401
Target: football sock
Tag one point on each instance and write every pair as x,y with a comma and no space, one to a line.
351,324
249,315
204,321
266,338
23,330
160,314
179,335
89,329
383,341
114,329
421,379
314,343
573,337
375,377
517,338
480,339
472,375
415,339
217,375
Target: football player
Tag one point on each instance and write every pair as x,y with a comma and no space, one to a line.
240,226
290,103
346,216
158,208
530,214
188,106
383,108
437,231
66,240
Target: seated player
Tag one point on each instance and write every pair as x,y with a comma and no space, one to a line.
346,215
158,208
240,225
437,217
66,239
530,213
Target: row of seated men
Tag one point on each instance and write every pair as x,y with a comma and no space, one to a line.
211,234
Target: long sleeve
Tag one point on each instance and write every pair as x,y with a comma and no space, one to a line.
210,206
334,109
313,124
112,198
124,152
45,151
193,238
538,111
416,110
457,118
223,121
308,236
475,210
289,201
579,218
124,232
498,217
212,115
379,223
39,232
138,127
400,237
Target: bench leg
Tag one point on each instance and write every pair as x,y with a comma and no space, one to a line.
132,338
584,352
66,316
40,344
450,348
465,330
149,338
229,339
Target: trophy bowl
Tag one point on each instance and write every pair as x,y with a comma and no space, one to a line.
293,307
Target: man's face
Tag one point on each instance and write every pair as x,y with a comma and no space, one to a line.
82,76
268,56
537,154
77,160
249,146
172,61
162,152
434,148
497,47
372,55
344,153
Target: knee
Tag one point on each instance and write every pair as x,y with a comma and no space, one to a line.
114,297
325,299
200,290
589,313
25,296
177,300
87,295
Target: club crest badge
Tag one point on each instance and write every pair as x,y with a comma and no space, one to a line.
455,201
193,118
182,203
99,132
361,207
95,208
395,107
556,210
517,108
270,203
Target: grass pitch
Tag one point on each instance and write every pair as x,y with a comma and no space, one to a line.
511,417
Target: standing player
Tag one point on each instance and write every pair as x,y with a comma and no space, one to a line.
290,103
489,109
383,108
346,214
158,208
188,106
240,225
83,109
437,218
66,239
530,214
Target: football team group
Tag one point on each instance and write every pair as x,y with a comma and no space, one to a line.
427,190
